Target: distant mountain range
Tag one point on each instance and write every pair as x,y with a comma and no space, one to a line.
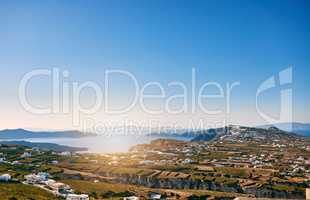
298,128
291,128
44,146
25,134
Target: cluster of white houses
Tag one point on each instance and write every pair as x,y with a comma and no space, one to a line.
42,180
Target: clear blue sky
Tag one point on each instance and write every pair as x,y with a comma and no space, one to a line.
226,41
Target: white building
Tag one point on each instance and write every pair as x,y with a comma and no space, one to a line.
146,162
36,178
65,153
31,178
50,182
2,159
26,155
131,198
43,175
154,195
60,187
187,161
54,162
5,177
15,162
77,197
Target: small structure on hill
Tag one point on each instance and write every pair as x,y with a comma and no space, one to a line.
5,177
77,197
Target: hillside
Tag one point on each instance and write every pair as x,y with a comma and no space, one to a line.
24,192
246,133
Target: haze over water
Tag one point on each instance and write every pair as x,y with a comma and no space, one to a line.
103,144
